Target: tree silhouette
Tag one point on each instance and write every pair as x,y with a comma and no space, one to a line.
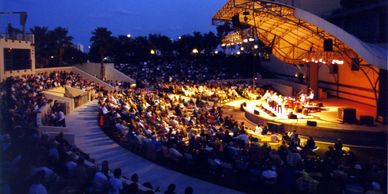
102,41
60,40
41,48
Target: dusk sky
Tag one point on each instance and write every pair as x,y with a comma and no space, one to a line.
169,17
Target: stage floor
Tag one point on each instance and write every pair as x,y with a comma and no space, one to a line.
325,119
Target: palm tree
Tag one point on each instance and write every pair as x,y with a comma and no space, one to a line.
162,43
61,40
40,42
102,42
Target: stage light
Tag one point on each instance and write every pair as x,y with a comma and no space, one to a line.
180,37
238,53
152,52
223,44
245,40
251,39
215,52
242,48
255,46
89,47
232,43
339,62
52,57
195,51
129,36
296,75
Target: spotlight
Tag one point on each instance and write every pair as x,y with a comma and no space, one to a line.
195,51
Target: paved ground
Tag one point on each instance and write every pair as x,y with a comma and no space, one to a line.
91,139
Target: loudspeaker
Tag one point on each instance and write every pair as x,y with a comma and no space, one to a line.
236,21
292,116
367,120
355,64
328,45
333,69
347,115
256,112
311,123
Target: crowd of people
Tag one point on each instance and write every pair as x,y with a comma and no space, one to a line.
118,85
33,163
190,130
193,134
150,73
174,118
22,97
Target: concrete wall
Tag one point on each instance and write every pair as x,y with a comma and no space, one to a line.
16,44
87,76
51,69
93,69
57,91
70,105
111,73
52,131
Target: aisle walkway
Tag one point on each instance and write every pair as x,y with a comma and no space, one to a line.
91,139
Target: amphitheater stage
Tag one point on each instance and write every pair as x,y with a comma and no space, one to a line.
328,127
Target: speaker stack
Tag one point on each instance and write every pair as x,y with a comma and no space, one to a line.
347,115
355,64
292,116
236,21
367,120
311,123
328,45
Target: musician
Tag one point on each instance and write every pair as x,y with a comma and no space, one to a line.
279,104
311,95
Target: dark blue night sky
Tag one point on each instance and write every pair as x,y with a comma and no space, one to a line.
169,17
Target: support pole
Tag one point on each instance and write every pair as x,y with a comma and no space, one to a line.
312,78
